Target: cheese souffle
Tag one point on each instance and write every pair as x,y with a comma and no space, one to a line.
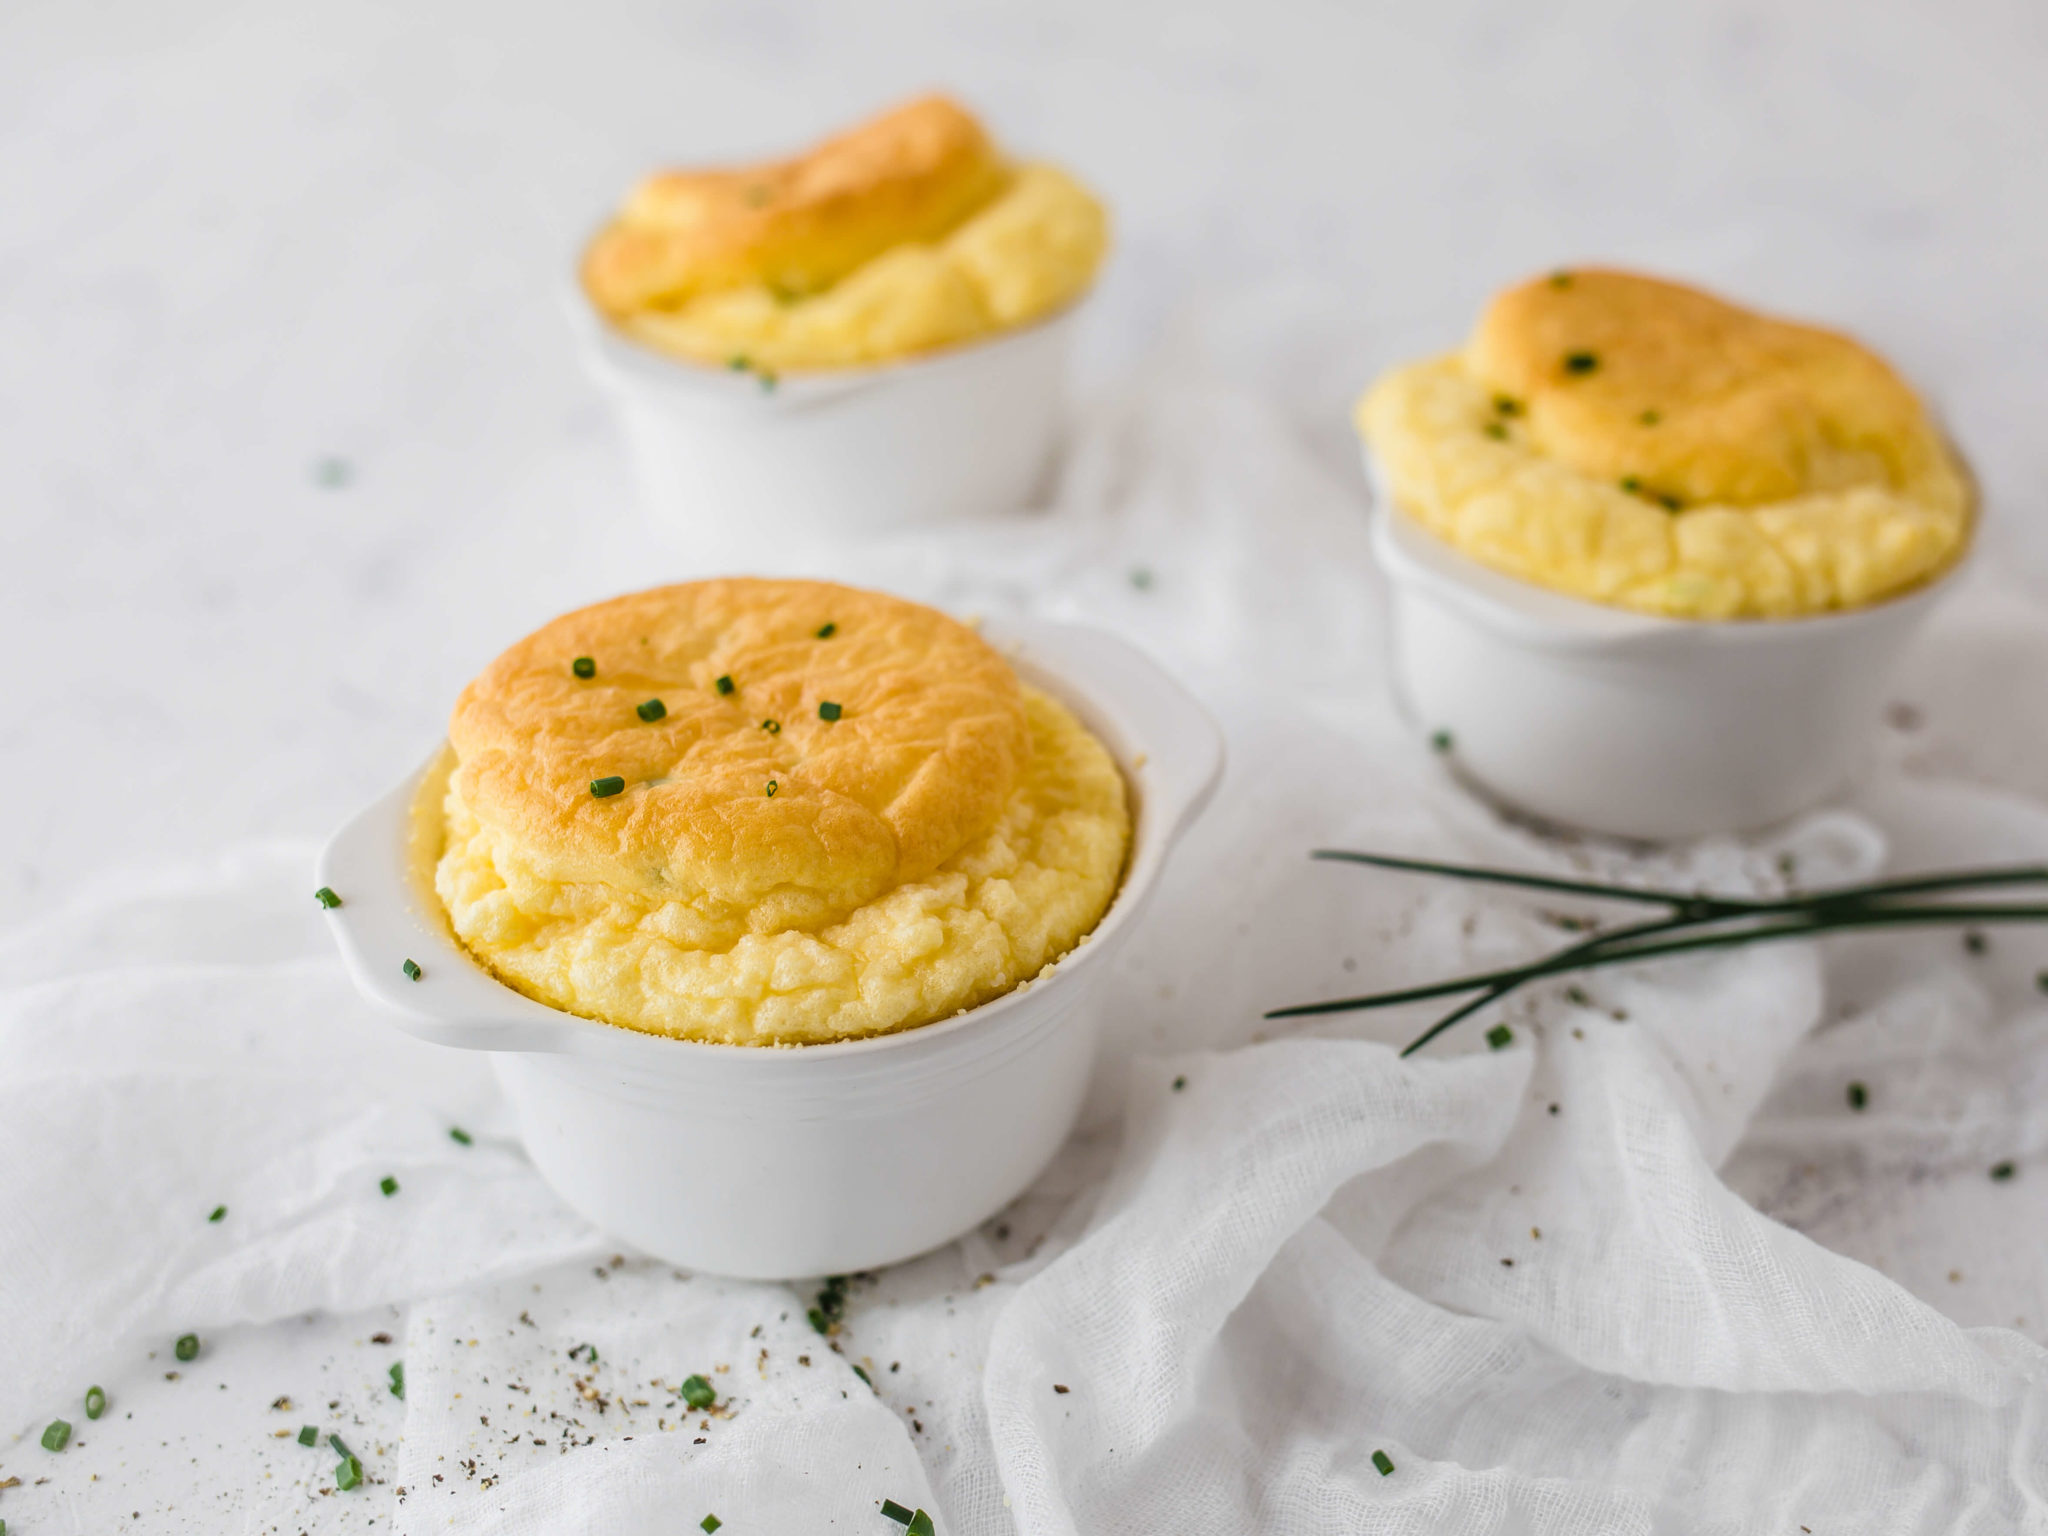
771,813
908,233
1642,444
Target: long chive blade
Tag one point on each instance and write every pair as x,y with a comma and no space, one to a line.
1529,882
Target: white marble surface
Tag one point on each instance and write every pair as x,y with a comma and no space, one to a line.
243,243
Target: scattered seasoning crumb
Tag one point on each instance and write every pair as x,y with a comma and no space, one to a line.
1859,1096
1179,1083
1383,1461
829,711
1441,741
1507,1263
389,1185
457,1134
1553,1109
327,898
380,1338
1500,1037
57,1436
583,666
187,1347
651,711
1536,1233
1062,1390
219,1212
2003,1171
827,630
1580,362
309,1435
605,788
724,684
412,970
1577,997
698,1392
95,1402
710,1523
1975,942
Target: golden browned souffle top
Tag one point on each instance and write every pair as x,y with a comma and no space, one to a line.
1644,444
910,232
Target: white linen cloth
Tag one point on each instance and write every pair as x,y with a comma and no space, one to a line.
1546,1282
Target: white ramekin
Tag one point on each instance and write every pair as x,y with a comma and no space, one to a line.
732,472
823,1159
1611,721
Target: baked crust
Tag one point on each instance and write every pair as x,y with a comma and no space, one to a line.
943,839
907,233
1642,443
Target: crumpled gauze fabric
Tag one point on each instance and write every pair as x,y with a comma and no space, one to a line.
1642,1269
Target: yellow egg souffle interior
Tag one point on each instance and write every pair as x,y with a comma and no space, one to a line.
908,233
1646,445
774,813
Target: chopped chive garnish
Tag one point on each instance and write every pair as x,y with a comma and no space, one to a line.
604,788
827,631
2003,1171
737,362
1500,1037
389,1185
57,1436
583,666
1179,1083
217,1213
724,683
1858,1096
1580,362
863,1375
819,1320
348,1473
1441,741
1560,279
772,727
412,970
1975,942
829,711
1496,431
1650,418
1507,405
1384,1463
891,1510
1670,503
920,1525
1631,484
710,1523
1141,578
768,382
2041,981
309,1435
457,1134
327,898
653,709
772,787
698,1392
187,1347
398,1379
95,1402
